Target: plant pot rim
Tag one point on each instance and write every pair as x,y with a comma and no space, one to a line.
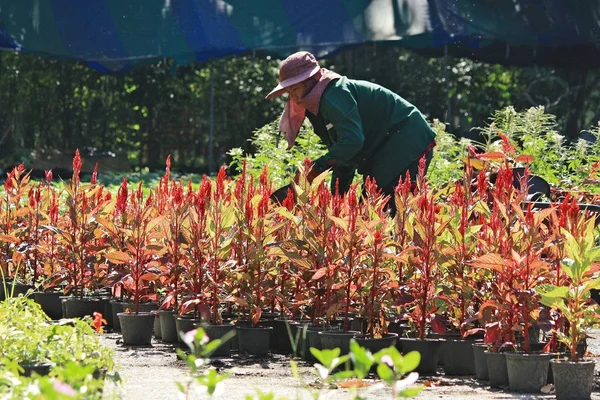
258,327
410,339
39,364
580,361
386,336
532,354
339,333
141,313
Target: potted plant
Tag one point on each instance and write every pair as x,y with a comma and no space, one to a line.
211,216
78,246
423,226
142,232
574,375
460,288
256,228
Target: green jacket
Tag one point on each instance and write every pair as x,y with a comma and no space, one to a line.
368,128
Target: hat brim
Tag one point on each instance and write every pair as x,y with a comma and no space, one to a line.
280,89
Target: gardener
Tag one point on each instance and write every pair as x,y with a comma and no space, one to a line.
366,127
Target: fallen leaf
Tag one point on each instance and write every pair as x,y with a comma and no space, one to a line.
353,383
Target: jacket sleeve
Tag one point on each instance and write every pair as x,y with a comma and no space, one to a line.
340,109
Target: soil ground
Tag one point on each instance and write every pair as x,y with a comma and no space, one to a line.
151,373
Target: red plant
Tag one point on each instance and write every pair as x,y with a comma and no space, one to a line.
142,236
426,225
77,234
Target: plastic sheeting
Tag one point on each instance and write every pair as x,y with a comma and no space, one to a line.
116,35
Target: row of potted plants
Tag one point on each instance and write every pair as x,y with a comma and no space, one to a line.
469,258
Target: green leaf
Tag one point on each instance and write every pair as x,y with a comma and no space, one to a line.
362,359
344,374
384,372
410,362
411,392
325,356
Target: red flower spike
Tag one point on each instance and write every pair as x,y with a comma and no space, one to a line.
220,189
288,202
122,196
77,164
48,176
95,175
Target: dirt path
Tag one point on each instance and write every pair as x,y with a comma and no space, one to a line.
151,373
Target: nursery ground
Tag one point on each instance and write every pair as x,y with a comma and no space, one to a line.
151,373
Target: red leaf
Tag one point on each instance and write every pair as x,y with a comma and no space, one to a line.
319,274
256,314
438,325
492,333
237,300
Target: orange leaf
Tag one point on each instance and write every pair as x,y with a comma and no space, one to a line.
9,238
149,277
353,383
118,257
319,274
493,155
526,158
491,261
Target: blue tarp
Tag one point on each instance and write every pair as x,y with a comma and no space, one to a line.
116,35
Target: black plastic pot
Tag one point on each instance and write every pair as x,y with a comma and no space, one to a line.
40,369
280,338
527,373
374,345
18,289
497,372
157,331
136,328
481,367
458,357
76,307
337,339
116,308
429,350
217,332
50,303
168,326
573,380
313,339
183,326
254,340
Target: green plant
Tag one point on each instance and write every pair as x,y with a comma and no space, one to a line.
271,150
392,367
572,299
18,340
201,347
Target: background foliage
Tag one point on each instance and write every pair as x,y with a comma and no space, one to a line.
164,108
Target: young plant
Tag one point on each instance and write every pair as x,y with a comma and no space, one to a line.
143,236
572,298
424,226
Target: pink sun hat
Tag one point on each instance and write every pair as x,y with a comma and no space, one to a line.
296,68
